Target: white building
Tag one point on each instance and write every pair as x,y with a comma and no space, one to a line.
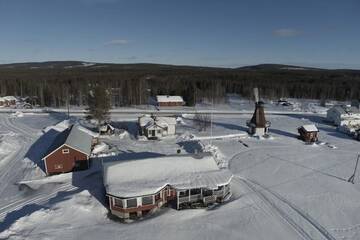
138,187
157,127
343,115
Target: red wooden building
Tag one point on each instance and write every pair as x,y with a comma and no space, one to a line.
308,133
169,101
69,152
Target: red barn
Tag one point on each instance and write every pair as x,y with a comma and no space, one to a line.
69,152
169,101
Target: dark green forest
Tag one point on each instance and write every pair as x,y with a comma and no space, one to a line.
55,83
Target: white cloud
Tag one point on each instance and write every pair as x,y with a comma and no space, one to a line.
286,32
116,42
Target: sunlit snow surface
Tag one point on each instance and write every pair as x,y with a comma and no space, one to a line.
277,171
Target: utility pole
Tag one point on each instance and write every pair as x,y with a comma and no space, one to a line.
212,109
352,178
68,98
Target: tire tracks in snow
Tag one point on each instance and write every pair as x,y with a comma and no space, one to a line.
40,198
266,195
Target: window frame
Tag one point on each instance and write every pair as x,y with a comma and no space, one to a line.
129,205
145,203
116,203
65,151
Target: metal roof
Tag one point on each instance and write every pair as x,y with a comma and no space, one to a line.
79,140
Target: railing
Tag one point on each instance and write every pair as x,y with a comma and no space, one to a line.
194,198
209,199
218,193
183,199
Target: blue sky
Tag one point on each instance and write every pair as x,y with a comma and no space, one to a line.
229,33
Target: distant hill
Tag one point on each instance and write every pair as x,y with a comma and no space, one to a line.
92,65
278,67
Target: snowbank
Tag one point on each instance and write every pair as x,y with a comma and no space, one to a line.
17,114
101,147
59,127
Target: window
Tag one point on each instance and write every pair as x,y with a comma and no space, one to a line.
157,196
207,192
158,131
148,200
195,191
58,166
131,203
184,193
65,151
118,202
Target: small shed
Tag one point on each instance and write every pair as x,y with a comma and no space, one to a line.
10,100
169,101
344,115
107,129
69,152
308,133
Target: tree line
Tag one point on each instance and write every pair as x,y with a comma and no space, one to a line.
133,84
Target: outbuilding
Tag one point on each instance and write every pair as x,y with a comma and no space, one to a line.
169,101
107,129
69,152
8,101
343,115
155,127
308,133
137,187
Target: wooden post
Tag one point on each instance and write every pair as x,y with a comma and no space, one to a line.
177,200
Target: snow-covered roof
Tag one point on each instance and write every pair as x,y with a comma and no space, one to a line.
9,98
167,98
147,176
342,109
106,126
310,128
147,121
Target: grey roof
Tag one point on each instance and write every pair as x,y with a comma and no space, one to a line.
79,140
345,110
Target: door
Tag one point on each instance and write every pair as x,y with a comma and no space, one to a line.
153,134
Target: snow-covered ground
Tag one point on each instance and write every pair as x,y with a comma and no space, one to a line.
282,188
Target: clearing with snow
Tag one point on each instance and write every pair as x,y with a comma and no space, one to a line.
282,187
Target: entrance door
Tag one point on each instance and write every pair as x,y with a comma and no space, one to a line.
153,133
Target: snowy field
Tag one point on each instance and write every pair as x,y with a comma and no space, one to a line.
282,188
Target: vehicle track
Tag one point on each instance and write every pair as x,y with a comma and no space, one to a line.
40,198
310,223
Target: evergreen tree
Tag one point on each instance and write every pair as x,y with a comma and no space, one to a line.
99,103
